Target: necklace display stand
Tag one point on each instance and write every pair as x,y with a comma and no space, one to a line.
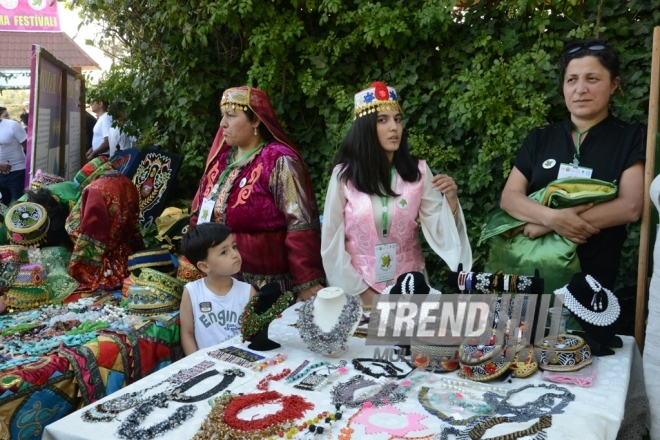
328,306
268,294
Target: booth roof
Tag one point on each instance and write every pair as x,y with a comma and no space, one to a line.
16,49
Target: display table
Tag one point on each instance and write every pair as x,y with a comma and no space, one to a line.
35,394
596,413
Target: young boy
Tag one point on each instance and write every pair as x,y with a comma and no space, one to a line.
211,307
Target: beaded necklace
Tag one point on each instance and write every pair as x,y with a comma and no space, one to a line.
178,395
263,383
390,369
336,339
543,405
478,431
344,393
424,400
252,323
223,421
363,415
129,429
294,377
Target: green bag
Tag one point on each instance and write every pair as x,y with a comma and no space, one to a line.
555,256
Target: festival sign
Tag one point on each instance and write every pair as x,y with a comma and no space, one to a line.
29,15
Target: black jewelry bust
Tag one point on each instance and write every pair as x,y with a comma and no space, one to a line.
268,294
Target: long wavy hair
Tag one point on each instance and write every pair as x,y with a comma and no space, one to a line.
365,164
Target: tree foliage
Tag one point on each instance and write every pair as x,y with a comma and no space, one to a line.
474,79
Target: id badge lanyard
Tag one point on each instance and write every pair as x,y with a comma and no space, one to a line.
384,201
576,156
206,213
385,253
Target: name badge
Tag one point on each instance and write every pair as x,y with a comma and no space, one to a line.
568,170
385,262
206,212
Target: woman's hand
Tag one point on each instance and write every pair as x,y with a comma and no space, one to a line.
567,223
533,231
306,294
446,185
368,296
90,154
5,167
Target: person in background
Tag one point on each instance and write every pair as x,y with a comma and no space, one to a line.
100,141
13,141
25,118
90,122
119,138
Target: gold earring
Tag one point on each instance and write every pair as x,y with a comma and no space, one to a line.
255,131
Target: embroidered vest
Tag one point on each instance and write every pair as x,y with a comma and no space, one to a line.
361,234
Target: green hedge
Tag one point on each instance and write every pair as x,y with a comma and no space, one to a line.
473,80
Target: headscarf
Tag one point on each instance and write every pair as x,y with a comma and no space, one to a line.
242,98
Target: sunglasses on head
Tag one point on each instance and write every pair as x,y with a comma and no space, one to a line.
596,47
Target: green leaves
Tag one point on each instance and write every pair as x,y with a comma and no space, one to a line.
473,80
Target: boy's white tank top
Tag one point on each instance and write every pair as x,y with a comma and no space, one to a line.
217,318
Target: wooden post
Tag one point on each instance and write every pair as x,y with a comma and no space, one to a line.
649,171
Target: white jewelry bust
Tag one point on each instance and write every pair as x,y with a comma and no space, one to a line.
328,306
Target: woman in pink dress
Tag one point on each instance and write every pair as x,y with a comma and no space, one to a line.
377,197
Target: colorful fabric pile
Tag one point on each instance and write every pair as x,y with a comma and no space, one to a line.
57,358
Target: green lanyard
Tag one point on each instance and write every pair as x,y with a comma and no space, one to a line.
576,156
233,164
384,201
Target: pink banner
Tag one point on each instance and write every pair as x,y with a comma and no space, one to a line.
29,15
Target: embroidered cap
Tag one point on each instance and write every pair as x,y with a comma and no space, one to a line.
187,271
569,353
27,224
235,98
44,179
377,98
153,293
159,259
92,169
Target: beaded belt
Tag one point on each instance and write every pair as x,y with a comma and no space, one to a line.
570,353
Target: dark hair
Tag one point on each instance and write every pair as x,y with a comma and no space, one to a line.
365,163
25,117
116,108
57,214
2,109
197,241
608,57
263,130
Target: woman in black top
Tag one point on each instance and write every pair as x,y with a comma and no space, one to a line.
595,140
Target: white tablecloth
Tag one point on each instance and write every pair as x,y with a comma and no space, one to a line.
597,412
